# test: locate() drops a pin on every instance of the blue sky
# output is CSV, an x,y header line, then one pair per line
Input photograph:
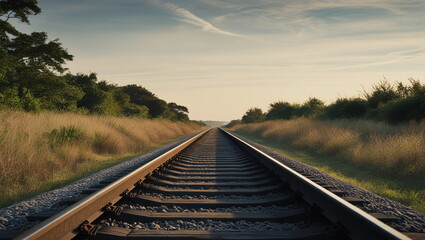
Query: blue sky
x,y
221,57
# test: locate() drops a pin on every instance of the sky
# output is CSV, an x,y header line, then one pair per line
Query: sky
x,y
221,57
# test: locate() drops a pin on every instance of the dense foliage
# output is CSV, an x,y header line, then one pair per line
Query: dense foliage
x,y
253,115
392,103
33,76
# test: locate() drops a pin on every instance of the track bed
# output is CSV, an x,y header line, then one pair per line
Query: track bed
x,y
215,186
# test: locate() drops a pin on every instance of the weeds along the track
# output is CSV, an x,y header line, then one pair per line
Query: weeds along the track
x,y
385,159
44,150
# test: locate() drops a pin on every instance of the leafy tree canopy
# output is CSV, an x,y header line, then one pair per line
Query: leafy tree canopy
x,y
19,9
36,51
253,115
15,9
382,93
280,110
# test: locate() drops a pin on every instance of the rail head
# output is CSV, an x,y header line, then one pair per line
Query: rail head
x,y
358,223
65,224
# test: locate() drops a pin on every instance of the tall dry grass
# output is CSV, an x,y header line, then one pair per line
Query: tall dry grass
x,y
394,150
35,148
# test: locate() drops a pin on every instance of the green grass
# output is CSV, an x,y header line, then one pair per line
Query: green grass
x,y
409,192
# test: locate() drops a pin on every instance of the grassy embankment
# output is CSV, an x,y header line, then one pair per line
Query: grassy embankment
x,y
42,151
386,159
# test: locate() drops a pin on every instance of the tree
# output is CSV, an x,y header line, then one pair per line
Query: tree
x,y
141,96
312,107
253,115
33,49
346,108
179,112
5,67
98,97
404,110
36,51
17,9
382,93
177,108
136,110
20,10
15,99
280,110
415,89
409,104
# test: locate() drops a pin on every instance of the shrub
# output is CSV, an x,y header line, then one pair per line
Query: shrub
x,y
136,110
63,135
19,99
29,102
253,115
404,110
311,108
281,110
346,108
9,98
382,93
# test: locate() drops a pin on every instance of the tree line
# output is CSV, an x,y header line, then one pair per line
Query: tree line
x,y
33,76
392,103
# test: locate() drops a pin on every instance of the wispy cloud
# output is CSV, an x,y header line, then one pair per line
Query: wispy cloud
x,y
396,57
384,62
189,17
311,16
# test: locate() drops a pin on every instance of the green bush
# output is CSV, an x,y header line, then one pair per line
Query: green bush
x,y
346,108
9,98
253,115
29,102
382,93
63,135
405,110
313,107
136,110
19,99
282,110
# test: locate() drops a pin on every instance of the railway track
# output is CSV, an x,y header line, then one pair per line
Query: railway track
x,y
214,186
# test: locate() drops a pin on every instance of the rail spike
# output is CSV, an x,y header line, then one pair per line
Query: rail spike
x,y
110,208
128,194
89,229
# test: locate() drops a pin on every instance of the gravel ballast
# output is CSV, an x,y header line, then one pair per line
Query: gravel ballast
x,y
218,196
178,209
209,225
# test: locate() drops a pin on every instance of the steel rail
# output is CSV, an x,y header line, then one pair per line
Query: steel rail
x,y
357,223
65,224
